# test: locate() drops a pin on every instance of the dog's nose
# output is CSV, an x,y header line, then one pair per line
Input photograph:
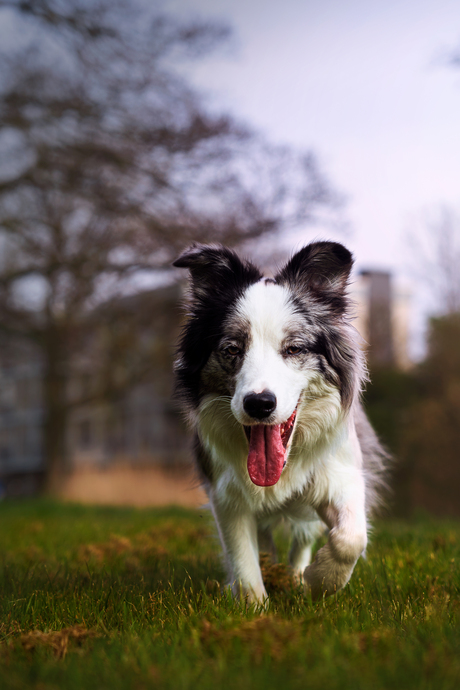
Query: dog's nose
x,y
259,405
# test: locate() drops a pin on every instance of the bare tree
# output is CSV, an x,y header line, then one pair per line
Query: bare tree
x,y
110,164
435,250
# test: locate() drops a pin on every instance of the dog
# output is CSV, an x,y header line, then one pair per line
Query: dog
x,y
270,372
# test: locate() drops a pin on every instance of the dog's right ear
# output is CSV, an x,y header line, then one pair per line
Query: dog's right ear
x,y
213,266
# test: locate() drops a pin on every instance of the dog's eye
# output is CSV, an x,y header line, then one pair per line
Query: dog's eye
x,y
293,350
232,350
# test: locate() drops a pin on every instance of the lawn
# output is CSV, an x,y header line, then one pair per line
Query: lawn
x,y
96,597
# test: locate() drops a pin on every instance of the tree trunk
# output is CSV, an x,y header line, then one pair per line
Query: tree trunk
x,y
56,377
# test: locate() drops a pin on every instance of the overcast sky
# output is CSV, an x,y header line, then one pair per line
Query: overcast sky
x,y
366,84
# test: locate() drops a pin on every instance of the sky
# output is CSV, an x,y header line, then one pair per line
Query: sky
x,y
368,86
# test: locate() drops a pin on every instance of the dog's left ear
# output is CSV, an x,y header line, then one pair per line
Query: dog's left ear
x,y
318,267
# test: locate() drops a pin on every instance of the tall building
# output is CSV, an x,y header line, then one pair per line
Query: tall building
x,y
382,310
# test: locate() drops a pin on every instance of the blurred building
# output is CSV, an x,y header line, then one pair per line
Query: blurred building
x,y
21,418
141,427
138,424
383,318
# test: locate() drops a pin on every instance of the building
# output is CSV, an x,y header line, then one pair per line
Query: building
x,y
137,423
383,318
21,420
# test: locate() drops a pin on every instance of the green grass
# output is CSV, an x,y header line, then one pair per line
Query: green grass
x,y
124,598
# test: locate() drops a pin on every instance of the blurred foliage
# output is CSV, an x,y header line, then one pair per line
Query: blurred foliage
x,y
417,414
388,400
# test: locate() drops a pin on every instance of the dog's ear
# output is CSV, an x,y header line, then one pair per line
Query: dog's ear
x,y
215,268
320,266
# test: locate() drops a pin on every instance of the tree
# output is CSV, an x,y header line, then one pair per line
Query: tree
x,y
436,257
431,439
112,165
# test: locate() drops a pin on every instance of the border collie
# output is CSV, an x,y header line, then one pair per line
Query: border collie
x,y
270,371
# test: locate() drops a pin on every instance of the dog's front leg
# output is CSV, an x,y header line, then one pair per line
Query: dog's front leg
x,y
238,536
334,562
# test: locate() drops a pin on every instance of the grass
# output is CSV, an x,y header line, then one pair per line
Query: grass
x,y
124,598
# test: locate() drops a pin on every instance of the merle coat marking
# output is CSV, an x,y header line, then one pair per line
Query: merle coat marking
x,y
270,372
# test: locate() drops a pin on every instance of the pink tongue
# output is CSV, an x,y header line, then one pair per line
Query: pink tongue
x,y
266,454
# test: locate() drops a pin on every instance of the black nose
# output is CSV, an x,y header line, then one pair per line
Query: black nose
x,y
259,405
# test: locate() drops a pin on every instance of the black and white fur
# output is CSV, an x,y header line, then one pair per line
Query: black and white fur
x,y
289,337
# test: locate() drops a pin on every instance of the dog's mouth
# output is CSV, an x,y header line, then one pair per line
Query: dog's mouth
x,y
268,449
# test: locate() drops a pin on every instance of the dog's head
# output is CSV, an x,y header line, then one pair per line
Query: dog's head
x,y
267,346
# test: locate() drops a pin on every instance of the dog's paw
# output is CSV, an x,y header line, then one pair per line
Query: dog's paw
x,y
250,595
325,576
